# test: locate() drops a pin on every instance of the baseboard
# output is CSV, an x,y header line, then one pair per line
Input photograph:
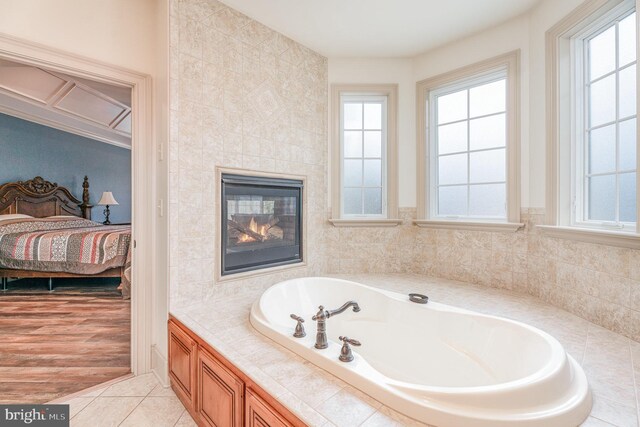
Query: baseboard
x,y
159,366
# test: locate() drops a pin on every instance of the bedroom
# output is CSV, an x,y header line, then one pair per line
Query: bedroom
x,y
65,233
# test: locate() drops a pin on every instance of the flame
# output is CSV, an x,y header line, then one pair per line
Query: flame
x,y
253,226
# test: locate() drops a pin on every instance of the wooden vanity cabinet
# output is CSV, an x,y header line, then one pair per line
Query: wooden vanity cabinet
x,y
220,393
214,391
260,414
183,353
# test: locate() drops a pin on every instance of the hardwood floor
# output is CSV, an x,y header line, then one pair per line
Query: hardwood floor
x,y
54,344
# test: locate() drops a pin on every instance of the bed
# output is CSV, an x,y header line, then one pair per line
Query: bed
x,y
45,232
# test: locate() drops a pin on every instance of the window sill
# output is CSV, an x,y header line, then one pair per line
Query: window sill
x,y
601,237
470,225
365,222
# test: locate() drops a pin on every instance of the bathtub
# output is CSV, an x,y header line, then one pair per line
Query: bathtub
x,y
438,364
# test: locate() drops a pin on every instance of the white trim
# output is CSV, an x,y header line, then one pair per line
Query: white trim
x,y
470,225
365,222
559,205
581,128
160,366
602,237
509,61
434,156
363,99
390,178
143,163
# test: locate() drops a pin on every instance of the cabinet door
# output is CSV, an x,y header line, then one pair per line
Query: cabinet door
x,y
260,414
182,364
220,393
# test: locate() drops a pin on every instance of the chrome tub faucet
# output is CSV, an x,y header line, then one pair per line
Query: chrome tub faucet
x,y
322,316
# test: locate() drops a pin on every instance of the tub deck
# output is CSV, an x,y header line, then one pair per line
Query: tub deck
x,y
607,358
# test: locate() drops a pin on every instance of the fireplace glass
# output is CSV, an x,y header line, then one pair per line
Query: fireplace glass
x,y
261,222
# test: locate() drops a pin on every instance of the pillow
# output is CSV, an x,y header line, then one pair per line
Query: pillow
x,y
14,216
10,217
62,216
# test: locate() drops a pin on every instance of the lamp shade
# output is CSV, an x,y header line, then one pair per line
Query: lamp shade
x,y
107,199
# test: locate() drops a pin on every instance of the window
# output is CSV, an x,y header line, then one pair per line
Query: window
x,y
469,149
468,146
605,116
592,179
363,140
364,155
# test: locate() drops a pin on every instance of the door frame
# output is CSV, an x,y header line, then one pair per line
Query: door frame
x,y
143,158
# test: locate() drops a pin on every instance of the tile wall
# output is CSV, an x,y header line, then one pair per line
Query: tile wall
x,y
241,96
245,96
599,283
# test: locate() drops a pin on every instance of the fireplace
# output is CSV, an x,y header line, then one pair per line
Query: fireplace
x,y
261,222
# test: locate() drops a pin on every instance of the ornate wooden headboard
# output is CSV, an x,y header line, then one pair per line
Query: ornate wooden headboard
x,y
40,198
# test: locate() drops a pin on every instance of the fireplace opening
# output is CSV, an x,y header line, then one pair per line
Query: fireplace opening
x,y
261,222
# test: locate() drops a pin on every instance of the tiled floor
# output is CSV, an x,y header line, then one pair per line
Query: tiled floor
x,y
136,402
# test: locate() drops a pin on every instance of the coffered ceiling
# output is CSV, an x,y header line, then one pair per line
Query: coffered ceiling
x,y
91,109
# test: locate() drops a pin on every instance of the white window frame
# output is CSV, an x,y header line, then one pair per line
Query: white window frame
x,y
565,127
388,93
466,84
364,99
504,66
579,49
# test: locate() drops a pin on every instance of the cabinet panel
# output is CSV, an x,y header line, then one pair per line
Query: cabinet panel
x,y
182,363
220,393
259,414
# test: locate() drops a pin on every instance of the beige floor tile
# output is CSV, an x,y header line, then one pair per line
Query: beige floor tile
x,y
105,412
136,386
594,422
387,417
306,413
77,404
94,393
635,355
160,390
186,420
345,409
155,411
322,385
612,385
614,413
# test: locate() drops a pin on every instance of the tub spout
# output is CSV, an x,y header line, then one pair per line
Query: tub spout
x,y
322,316
346,305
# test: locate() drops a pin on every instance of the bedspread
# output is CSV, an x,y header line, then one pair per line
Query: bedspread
x,y
72,245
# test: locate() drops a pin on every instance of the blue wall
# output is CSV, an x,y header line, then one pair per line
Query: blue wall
x,y
28,150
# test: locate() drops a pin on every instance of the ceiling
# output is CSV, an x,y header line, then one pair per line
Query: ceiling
x,y
91,109
379,28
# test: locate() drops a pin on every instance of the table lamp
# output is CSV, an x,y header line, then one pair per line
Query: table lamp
x,y
107,200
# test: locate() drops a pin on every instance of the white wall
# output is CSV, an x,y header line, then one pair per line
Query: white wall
x,y
543,17
383,71
510,36
118,32
527,33
123,33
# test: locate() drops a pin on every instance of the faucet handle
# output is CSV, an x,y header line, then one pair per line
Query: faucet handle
x,y
345,352
299,332
350,341
296,317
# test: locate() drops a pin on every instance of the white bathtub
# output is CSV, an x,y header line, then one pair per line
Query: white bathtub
x,y
436,363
